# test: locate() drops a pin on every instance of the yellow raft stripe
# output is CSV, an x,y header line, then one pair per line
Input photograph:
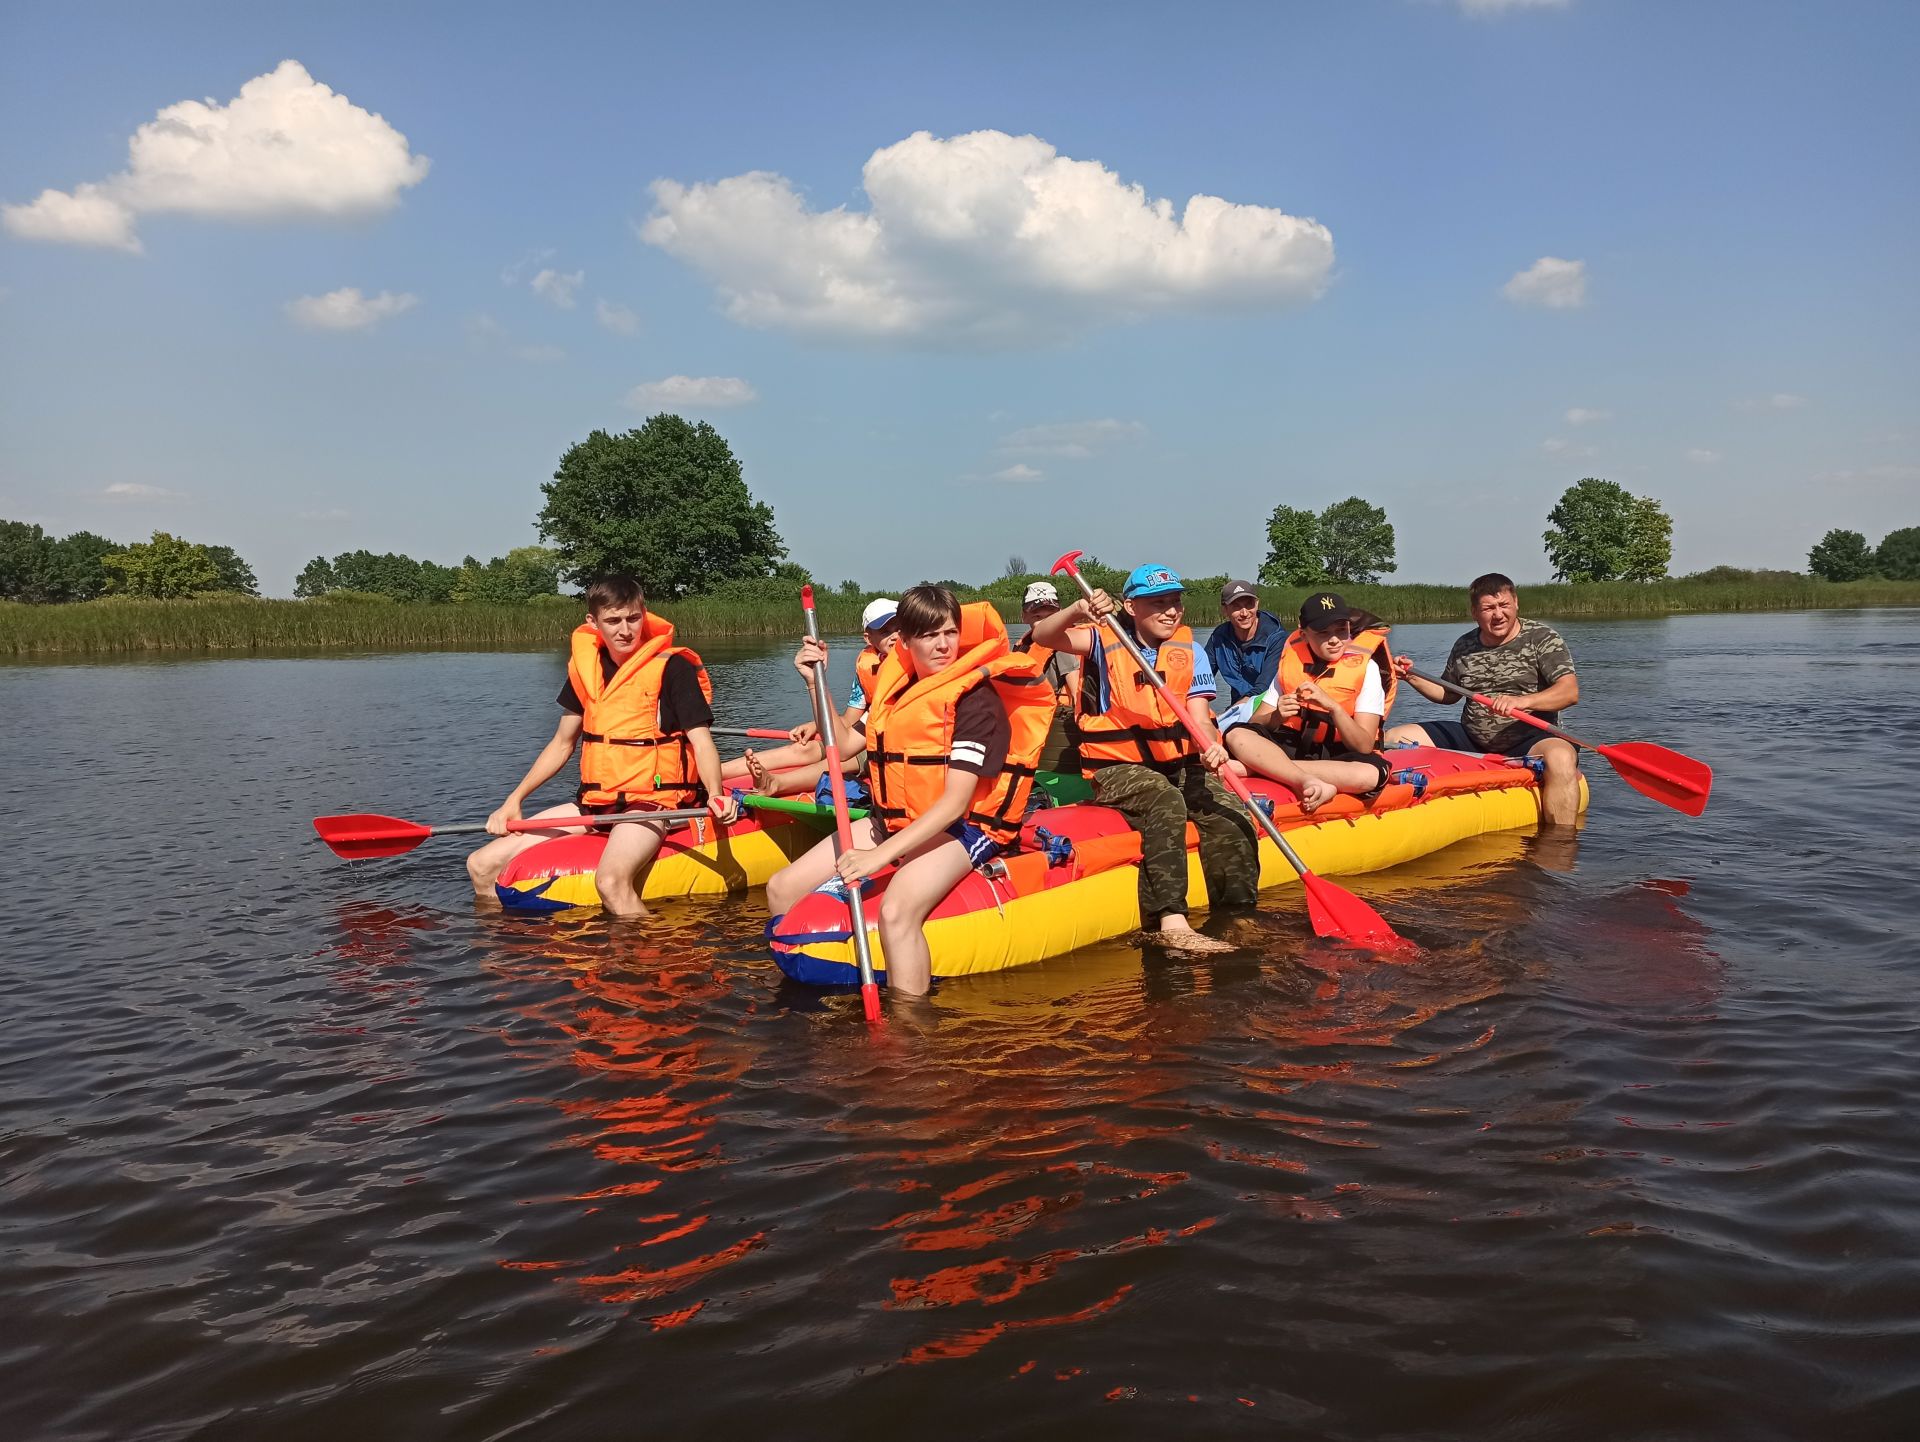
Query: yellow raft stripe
x,y
714,868
1096,908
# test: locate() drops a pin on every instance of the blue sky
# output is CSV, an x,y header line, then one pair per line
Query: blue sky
x,y
994,350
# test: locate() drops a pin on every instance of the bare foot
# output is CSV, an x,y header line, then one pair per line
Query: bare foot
x,y
1186,939
757,769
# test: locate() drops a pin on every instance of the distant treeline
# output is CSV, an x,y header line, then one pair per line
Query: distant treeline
x,y
41,570
523,574
350,621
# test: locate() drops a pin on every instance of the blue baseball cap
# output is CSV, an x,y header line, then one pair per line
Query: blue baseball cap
x,y
1152,580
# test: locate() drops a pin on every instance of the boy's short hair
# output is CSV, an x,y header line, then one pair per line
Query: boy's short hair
x,y
619,589
1491,584
925,608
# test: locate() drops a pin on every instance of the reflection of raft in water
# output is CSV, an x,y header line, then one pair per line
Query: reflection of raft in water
x,y
1075,880
698,859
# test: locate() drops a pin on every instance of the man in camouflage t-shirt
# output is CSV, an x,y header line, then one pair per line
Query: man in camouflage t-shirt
x,y
1517,665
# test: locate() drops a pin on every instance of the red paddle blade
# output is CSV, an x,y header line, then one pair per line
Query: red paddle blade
x,y
363,835
1341,916
1668,777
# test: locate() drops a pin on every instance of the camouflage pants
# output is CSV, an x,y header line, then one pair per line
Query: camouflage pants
x,y
1159,809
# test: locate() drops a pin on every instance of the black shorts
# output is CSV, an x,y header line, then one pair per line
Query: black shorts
x,y
1452,736
1289,741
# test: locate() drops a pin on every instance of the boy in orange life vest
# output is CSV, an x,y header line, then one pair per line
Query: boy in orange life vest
x,y
641,706
795,769
956,725
1062,673
1141,759
1316,727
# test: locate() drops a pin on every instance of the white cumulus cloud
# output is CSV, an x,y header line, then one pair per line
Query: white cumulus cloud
x,y
1550,281
558,286
980,240
1587,416
1701,456
1071,440
347,309
1019,472
285,147
615,317
1561,446
138,491
694,393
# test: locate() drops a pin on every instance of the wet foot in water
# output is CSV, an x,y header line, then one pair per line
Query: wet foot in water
x,y
1188,941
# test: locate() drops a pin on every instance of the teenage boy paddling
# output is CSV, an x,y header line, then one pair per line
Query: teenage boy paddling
x,y
641,705
1140,758
1519,665
956,725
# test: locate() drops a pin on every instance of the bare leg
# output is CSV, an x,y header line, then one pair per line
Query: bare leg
x,y
796,753
1263,757
804,873
1355,778
1560,787
485,865
1401,735
920,884
631,847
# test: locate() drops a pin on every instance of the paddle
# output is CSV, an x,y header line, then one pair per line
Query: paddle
x,y
363,835
1668,777
763,733
842,822
1331,910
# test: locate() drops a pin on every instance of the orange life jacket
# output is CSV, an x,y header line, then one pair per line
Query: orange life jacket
x,y
625,758
1340,679
1136,725
866,670
1055,678
910,728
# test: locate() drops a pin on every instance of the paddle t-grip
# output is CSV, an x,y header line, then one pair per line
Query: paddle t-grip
x,y
1070,563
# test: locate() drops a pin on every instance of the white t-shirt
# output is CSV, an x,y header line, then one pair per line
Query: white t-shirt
x,y
1372,700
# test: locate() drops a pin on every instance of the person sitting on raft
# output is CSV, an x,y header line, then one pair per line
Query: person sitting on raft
x,y
1142,761
640,708
1244,648
1316,726
952,736
797,768
1518,665
1062,673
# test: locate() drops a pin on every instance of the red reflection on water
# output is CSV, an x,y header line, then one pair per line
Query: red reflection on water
x,y
643,1071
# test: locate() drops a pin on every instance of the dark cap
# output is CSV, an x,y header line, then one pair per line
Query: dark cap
x,y
1237,590
1323,609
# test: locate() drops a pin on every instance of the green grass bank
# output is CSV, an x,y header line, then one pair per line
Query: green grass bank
x,y
234,625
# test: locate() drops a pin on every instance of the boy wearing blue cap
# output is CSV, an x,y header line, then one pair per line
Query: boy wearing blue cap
x,y
1140,758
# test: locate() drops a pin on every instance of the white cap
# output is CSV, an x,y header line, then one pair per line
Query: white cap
x,y
879,611
1040,591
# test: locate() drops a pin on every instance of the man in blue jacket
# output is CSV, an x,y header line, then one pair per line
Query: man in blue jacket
x,y
1245,647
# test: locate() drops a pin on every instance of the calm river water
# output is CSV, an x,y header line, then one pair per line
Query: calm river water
x,y
291,1149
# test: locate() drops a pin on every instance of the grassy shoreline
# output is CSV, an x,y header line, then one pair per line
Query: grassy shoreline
x,y
238,626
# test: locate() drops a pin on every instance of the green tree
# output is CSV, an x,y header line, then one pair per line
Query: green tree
x,y
1649,542
79,566
316,578
1598,531
666,502
162,568
26,562
518,576
1841,556
1898,558
235,574
1293,549
1355,542
851,588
